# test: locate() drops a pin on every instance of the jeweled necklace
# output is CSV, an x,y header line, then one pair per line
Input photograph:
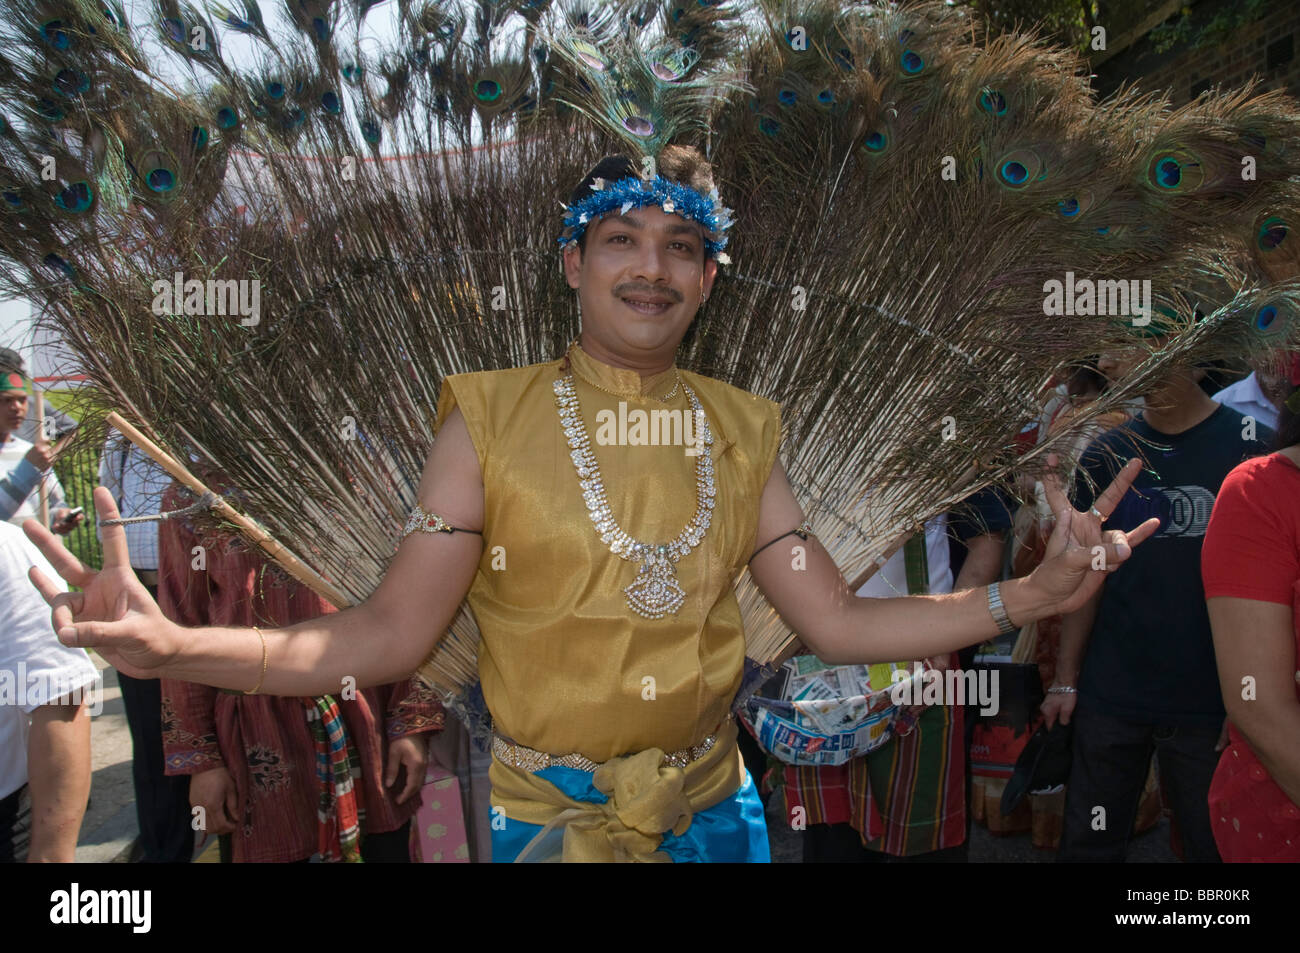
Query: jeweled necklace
x,y
655,592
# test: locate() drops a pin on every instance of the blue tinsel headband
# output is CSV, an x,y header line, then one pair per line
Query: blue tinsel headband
x,y
635,192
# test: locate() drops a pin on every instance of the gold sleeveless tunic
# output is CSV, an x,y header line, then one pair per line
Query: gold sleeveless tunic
x,y
566,666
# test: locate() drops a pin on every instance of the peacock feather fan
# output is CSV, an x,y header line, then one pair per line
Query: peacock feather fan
x,y
905,188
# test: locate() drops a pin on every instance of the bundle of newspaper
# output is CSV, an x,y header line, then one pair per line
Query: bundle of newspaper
x,y
816,714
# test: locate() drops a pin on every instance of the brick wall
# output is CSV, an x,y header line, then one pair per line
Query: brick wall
x,y
1268,48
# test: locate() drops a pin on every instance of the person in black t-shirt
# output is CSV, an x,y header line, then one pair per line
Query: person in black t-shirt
x,y
1147,681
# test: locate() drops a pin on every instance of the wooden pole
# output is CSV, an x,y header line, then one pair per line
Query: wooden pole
x,y
250,528
40,435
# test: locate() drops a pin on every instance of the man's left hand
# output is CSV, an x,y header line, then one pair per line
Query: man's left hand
x,y
62,525
411,753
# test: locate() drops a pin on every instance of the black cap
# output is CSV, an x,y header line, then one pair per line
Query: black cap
x,y
12,360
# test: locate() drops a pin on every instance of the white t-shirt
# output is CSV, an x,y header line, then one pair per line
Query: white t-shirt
x,y
891,579
12,452
35,667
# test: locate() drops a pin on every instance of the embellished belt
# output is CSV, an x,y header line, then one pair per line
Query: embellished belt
x,y
531,760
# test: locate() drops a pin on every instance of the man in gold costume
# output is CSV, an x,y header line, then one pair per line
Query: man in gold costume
x,y
612,644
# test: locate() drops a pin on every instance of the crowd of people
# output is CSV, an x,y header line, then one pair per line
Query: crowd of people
x,y
1181,643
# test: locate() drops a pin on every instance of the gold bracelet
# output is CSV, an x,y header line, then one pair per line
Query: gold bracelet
x,y
258,686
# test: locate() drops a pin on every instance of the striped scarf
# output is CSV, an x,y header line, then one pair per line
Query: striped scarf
x,y
339,809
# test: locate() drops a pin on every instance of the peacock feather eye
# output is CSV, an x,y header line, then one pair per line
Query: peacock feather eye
x,y
71,83
487,90
329,101
1271,233
76,198
826,97
1265,317
1018,169
589,54
993,102
677,14
352,73
370,131
57,262
275,89
294,118
912,62
639,126
1075,205
52,32
672,64
768,126
11,198
174,29
157,170
49,109
320,28
787,97
199,138
1175,171
877,141
844,58
227,118
110,16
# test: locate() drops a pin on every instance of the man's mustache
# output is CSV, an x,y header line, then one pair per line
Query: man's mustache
x,y
649,292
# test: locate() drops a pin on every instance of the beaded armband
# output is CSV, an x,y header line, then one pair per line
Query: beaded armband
x,y
430,523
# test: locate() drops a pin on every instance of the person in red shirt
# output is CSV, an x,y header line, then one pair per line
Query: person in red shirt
x,y
1251,568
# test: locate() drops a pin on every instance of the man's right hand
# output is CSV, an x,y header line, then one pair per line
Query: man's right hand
x,y
113,613
41,455
214,791
1060,705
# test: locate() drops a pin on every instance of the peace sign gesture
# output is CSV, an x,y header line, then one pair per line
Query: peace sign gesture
x,y
1080,553
114,612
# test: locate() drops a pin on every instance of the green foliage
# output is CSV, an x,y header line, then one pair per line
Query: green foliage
x,y
1065,21
1181,31
78,471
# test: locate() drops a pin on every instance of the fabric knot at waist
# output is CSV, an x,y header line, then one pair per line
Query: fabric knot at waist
x,y
640,797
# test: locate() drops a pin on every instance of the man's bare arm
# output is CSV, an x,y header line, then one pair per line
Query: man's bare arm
x,y
983,562
382,640
817,604
58,771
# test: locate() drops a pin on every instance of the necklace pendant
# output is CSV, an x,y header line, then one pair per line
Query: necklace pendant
x,y
655,592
